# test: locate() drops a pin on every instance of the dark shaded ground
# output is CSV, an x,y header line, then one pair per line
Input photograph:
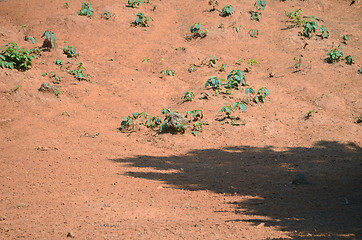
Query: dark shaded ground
x,y
329,207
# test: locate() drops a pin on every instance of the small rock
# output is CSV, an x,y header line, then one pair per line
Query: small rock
x,y
46,87
300,178
2,218
177,118
70,235
21,205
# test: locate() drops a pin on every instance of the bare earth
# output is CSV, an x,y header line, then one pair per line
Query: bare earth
x,y
78,175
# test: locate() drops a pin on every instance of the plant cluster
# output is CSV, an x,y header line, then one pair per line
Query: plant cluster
x,y
70,51
168,72
14,57
79,73
198,31
227,10
106,15
296,17
254,33
312,27
258,5
188,96
142,20
87,10
335,55
50,39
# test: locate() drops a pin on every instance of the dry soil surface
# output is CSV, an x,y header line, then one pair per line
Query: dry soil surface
x,y
67,171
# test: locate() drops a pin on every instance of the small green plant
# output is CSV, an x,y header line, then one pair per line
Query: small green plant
x,y
130,123
70,51
227,10
195,114
50,39
235,79
198,31
44,74
209,61
310,28
360,71
222,67
252,61
254,33
205,95
260,4
345,39
181,128
198,127
58,93
261,95
192,68
17,88
350,60
298,64
255,16
142,20
154,122
87,10
59,62
358,119
14,57
215,83
296,17
79,73
67,5
57,78
167,72
335,55
106,15
188,96
309,114
324,32
133,3
147,59
227,109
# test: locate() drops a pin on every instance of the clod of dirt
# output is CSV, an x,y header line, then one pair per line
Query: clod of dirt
x,y
70,235
46,87
21,205
300,178
175,119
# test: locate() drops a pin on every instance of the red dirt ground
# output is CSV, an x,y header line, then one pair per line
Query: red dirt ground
x,y
228,182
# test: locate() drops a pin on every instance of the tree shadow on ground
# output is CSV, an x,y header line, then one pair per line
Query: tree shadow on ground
x,y
328,208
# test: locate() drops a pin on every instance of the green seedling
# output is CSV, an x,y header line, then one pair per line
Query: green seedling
x,y
227,110
261,95
87,10
44,74
205,95
192,68
147,59
358,119
198,127
335,55
310,28
296,17
57,79
17,88
166,111
213,4
36,51
260,4
210,61
130,122
240,105
79,73
195,114
106,15
345,39
181,128
350,60
50,39
255,16
59,62
142,20
32,40
14,57
298,64
198,31
188,96
70,51
252,61
254,33
360,71
324,33
309,114
235,79
227,10
215,83
154,122
67,5
133,3
58,93
222,67
167,72
240,61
